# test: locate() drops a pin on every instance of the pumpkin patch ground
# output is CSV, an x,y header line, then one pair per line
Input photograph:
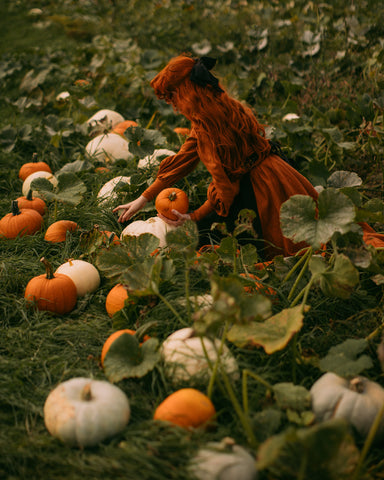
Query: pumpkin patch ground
x,y
281,350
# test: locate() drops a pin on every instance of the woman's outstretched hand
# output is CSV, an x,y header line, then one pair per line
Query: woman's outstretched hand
x,y
130,208
181,218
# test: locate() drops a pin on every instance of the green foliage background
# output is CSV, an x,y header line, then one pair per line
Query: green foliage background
x,y
322,62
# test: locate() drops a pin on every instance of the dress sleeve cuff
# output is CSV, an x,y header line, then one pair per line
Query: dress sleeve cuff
x,y
153,190
202,211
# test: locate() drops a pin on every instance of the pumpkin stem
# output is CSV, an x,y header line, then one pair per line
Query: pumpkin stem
x,y
48,268
172,196
34,157
29,195
86,394
357,385
15,208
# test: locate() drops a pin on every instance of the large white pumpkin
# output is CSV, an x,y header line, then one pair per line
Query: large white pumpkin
x,y
104,120
40,174
357,400
108,147
154,225
84,275
223,461
108,191
184,356
84,412
155,158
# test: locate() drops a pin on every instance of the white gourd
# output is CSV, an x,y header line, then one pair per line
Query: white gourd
x,y
154,225
39,174
83,412
108,147
108,191
105,119
155,158
83,274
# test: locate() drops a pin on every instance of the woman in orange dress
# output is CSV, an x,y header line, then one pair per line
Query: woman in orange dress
x,y
246,169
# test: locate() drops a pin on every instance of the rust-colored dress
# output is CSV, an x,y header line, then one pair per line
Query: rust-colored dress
x,y
273,180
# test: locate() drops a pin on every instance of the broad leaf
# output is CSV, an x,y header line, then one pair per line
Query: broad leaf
x,y
342,178
143,141
76,166
126,358
70,189
300,221
114,262
273,334
184,239
290,396
345,359
341,280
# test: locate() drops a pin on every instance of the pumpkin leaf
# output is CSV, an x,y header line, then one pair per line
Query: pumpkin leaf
x,y
341,280
143,277
69,188
143,141
344,359
300,221
290,396
126,358
112,263
342,178
140,246
184,239
324,451
273,334
76,166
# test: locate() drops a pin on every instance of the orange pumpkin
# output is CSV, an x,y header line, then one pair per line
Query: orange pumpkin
x,y
35,203
54,293
121,127
57,231
32,167
114,336
115,300
171,199
187,407
20,222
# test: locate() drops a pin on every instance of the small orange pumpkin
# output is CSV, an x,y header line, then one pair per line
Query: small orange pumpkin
x,y
54,293
187,407
57,231
20,222
35,203
171,199
121,127
114,336
115,300
33,166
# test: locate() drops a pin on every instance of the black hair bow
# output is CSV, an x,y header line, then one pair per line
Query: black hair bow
x,y
201,75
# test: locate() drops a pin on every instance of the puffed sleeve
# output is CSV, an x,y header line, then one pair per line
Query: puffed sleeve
x,y
174,168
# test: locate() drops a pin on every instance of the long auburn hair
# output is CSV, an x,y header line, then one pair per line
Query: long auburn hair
x,y
223,123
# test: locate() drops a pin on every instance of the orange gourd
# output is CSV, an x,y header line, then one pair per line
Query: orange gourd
x,y
114,336
171,199
54,293
20,222
57,231
35,203
115,300
33,166
121,127
187,407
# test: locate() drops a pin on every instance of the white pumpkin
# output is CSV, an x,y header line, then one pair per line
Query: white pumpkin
x,y
223,461
84,412
83,274
154,225
63,96
358,401
108,147
40,174
184,356
104,120
155,158
108,191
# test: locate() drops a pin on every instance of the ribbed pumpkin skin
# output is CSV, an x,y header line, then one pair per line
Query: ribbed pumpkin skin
x,y
34,203
27,222
187,408
115,300
57,231
32,167
57,295
171,199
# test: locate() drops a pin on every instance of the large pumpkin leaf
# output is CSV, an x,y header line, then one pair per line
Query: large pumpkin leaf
x,y
126,358
301,222
273,334
112,263
184,239
342,178
69,189
341,280
345,359
323,452
143,141
143,278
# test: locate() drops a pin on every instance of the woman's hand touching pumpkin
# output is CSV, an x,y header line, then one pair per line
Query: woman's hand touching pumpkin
x,y
130,208
181,218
